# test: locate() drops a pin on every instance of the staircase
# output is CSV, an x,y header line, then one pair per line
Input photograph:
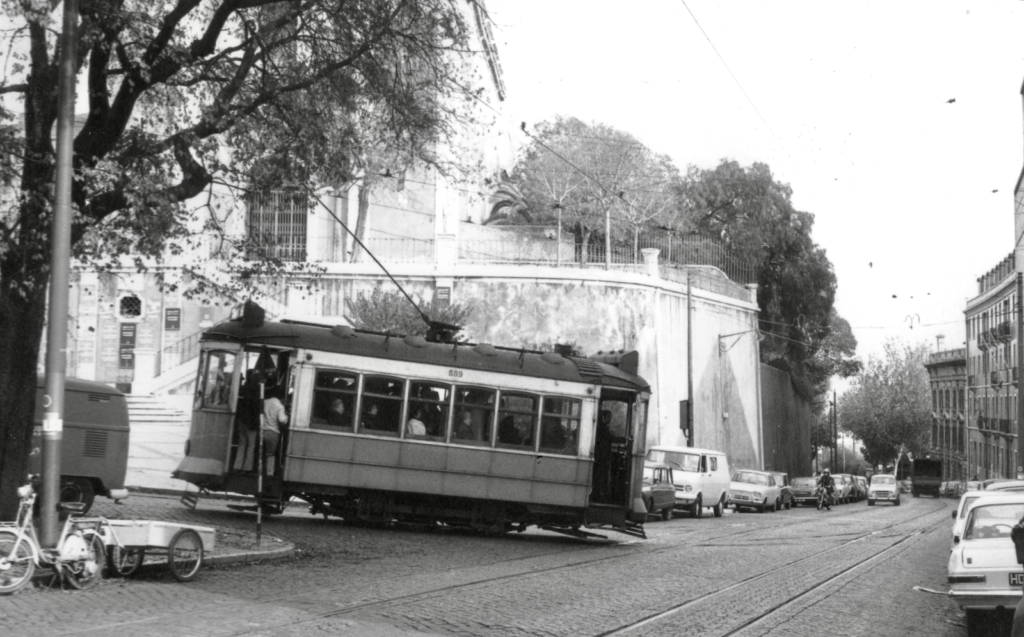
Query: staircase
x,y
163,410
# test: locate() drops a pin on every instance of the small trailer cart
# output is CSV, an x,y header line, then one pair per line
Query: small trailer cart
x,y
129,541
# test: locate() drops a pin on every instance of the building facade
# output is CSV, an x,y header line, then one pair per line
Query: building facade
x,y
992,374
947,378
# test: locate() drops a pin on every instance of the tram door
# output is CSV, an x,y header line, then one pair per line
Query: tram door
x,y
612,445
269,368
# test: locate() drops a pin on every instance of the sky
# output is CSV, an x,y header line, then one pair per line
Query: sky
x,y
848,104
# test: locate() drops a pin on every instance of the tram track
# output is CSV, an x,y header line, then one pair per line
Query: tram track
x,y
712,597
630,550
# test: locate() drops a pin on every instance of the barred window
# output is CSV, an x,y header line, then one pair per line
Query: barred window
x,y
277,224
130,307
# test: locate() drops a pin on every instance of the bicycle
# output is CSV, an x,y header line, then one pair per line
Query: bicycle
x,y
77,559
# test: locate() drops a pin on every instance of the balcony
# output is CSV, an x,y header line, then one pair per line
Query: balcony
x,y
1005,331
996,379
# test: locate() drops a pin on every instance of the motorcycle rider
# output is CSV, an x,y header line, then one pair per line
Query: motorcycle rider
x,y
828,483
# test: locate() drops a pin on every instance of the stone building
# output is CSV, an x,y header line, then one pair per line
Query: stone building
x,y
947,377
992,374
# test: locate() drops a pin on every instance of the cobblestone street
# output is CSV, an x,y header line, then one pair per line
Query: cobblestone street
x,y
850,571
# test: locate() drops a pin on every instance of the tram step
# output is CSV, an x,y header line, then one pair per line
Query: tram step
x,y
191,498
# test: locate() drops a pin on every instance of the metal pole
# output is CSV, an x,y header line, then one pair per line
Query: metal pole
x,y
690,434
558,250
60,266
608,239
1020,373
835,430
259,470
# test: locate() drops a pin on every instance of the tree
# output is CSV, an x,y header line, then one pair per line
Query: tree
x,y
186,95
754,217
888,408
392,312
597,178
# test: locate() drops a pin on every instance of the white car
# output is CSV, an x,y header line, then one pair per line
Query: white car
x,y
983,572
883,488
755,490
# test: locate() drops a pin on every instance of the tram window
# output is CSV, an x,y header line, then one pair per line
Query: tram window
x,y
517,421
430,402
560,425
474,415
334,400
214,386
381,408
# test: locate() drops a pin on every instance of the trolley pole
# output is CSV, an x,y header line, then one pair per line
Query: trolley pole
x,y
60,267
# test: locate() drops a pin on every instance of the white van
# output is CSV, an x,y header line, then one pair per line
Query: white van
x,y
701,476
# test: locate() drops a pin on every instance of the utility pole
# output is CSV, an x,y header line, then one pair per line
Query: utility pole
x,y
60,270
835,431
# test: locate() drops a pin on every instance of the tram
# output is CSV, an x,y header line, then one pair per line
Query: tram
x,y
388,428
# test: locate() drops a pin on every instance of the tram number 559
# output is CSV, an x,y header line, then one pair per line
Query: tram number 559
x,y
455,373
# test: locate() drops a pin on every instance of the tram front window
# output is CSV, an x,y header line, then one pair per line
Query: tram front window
x,y
213,388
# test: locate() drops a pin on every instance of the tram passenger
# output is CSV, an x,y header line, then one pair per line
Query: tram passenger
x,y
463,429
415,426
336,414
248,416
508,433
370,417
273,418
553,435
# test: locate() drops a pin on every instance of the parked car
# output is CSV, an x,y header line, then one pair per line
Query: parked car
x,y
844,487
701,477
943,489
883,488
782,480
1006,485
958,489
805,490
982,571
861,484
960,512
659,492
752,489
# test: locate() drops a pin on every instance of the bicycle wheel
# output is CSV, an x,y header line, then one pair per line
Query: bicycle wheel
x,y
123,562
185,555
86,572
16,565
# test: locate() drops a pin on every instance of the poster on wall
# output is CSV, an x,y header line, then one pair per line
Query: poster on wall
x,y
172,319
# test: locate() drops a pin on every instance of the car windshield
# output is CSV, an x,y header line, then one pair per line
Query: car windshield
x,y
883,480
803,482
676,460
992,520
750,477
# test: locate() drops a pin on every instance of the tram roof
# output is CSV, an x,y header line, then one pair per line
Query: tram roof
x,y
416,350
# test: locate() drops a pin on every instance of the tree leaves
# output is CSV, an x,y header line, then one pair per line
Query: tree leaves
x,y
888,405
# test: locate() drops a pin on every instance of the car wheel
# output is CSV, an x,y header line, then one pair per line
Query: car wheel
x,y
649,505
763,506
698,507
789,505
871,503
897,501
666,514
718,508
776,506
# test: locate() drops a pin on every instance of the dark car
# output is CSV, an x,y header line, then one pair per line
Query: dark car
x,y
805,490
659,491
782,479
